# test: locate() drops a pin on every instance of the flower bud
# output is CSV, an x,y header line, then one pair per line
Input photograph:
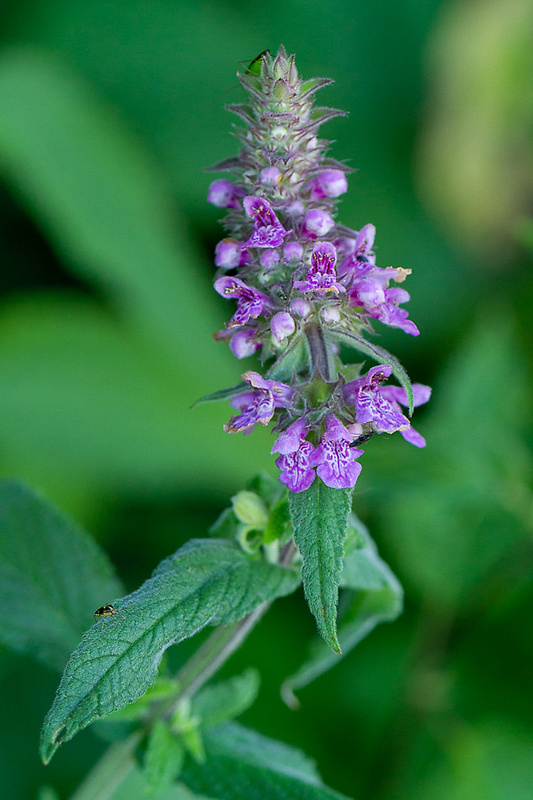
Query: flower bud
x,y
270,176
243,343
224,194
317,223
228,254
300,307
330,183
269,258
282,325
250,509
293,251
331,315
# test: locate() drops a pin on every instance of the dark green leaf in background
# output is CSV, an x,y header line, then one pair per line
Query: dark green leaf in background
x,y
320,519
242,764
205,582
52,576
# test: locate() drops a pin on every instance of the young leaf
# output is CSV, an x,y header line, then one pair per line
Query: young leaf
x,y
205,582
52,576
377,597
320,519
243,764
163,760
380,355
224,701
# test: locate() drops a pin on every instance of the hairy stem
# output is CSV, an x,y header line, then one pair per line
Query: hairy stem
x,y
320,352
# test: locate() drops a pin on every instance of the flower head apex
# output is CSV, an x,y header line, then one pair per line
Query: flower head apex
x,y
335,459
268,230
321,276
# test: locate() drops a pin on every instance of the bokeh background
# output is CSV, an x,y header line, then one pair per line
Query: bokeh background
x,y
109,111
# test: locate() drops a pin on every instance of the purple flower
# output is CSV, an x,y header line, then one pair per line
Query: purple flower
x,y
282,325
371,291
296,459
321,276
269,258
259,404
330,183
243,342
378,404
357,252
317,223
268,230
230,254
334,458
293,251
224,194
250,302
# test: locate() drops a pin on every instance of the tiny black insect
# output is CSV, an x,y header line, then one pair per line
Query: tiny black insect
x,y
106,611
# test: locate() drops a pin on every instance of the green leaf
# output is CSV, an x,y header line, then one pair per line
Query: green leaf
x,y
163,759
227,700
52,576
380,355
221,394
205,582
103,203
242,764
377,596
320,520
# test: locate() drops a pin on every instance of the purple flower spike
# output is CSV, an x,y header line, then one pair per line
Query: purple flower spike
x,y
259,404
334,458
321,276
330,183
296,459
250,302
268,230
317,223
224,194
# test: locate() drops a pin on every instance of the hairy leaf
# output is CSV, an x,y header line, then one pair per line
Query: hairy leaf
x,y
205,582
52,576
377,596
163,759
242,764
320,519
224,701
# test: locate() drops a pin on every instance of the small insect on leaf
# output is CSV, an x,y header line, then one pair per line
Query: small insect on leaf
x,y
106,611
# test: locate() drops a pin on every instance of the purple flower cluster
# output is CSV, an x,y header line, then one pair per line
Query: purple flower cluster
x,y
302,283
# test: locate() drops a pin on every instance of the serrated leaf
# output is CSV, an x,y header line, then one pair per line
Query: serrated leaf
x,y
320,520
205,582
377,597
224,701
380,355
163,760
242,764
52,576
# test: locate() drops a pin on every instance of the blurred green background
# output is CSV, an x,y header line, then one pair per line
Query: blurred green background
x,y
109,111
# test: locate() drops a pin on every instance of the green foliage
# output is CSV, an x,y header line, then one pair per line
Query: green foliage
x,y
163,760
374,595
218,703
320,519
206,582
52,576
241,763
